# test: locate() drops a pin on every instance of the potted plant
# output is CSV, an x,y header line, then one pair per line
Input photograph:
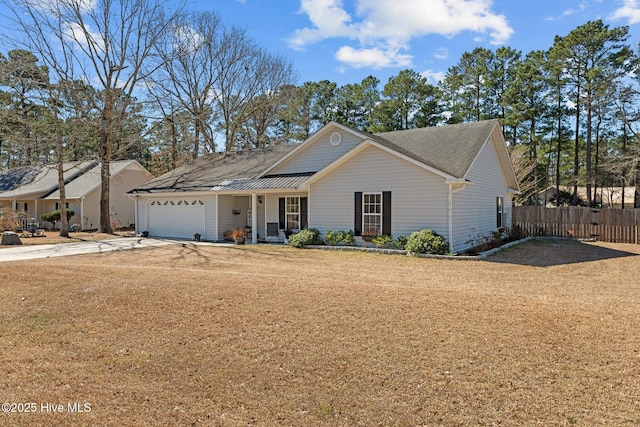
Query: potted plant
x,y
238,235
369,235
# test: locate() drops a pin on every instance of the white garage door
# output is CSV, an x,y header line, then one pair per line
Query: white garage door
x,y
178,218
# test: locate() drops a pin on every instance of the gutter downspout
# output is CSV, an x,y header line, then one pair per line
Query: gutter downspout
x,y
451,193
217,218
135,214
81,212
254,218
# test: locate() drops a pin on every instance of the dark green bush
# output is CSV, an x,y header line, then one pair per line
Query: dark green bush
x,y
401,242
333,238
427,242
55,215
384,241
309,236
346,237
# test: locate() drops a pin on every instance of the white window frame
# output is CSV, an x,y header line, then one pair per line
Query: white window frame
x,y
66,204
292,212
372,221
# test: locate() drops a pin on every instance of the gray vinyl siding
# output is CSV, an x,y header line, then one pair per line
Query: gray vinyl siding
x,y
418,197
210,223
141,225
316,156
272,209
474,210
227,220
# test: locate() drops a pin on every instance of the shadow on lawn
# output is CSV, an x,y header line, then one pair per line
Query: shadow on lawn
x,y
547,253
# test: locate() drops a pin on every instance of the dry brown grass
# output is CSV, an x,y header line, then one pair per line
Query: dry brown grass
x,y
544,333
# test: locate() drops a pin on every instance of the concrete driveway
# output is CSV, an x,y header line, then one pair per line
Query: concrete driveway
x,y
20,253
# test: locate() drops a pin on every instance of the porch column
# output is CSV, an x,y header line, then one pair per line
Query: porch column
x,y
82,213
254,218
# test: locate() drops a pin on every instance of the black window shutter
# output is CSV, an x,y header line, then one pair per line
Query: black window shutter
x,y
386,213
281,213
357,220
303,212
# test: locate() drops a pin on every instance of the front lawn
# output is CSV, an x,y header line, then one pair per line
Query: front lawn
x,y
541,333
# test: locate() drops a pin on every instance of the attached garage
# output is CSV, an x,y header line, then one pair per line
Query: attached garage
x,y
176,218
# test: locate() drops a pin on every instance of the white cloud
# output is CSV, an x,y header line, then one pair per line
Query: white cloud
x,y
83,36
629,11
329,20
383,28
374,57
581,8
186,39
434,77
412,18
51,6
441,53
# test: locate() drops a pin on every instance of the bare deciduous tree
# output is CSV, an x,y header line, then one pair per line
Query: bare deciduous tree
x,y
108,43
221,78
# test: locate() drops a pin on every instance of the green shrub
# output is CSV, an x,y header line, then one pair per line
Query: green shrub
x,y
333,238
384,241
427,242
346,237
55,215
309,236
330,238
401,242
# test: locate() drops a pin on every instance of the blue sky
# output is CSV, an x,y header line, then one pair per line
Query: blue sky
x,y
344,41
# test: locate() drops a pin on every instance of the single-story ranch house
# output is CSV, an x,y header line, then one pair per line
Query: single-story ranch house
x,y
457,180
33,190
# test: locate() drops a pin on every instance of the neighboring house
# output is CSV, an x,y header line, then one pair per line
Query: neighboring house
x,y
606,197
456,180
33,190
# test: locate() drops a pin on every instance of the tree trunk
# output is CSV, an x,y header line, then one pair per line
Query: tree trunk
x,y
558,154
174,144
105,177
589,148
636,195
576,158
64,222
534,155
105,219
196,137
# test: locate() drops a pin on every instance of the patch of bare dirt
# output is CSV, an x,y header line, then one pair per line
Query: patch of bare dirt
x,y
264,335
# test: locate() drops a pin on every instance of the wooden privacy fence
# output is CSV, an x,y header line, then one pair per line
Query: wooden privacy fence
x,y
607,225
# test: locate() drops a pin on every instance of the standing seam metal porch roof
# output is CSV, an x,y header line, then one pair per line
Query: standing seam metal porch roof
x,y
265,183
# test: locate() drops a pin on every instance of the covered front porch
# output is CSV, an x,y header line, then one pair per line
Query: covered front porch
x,y
265,216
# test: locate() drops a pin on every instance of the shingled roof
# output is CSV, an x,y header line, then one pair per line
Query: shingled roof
x,y
216,169
450,149
37,180
90,180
